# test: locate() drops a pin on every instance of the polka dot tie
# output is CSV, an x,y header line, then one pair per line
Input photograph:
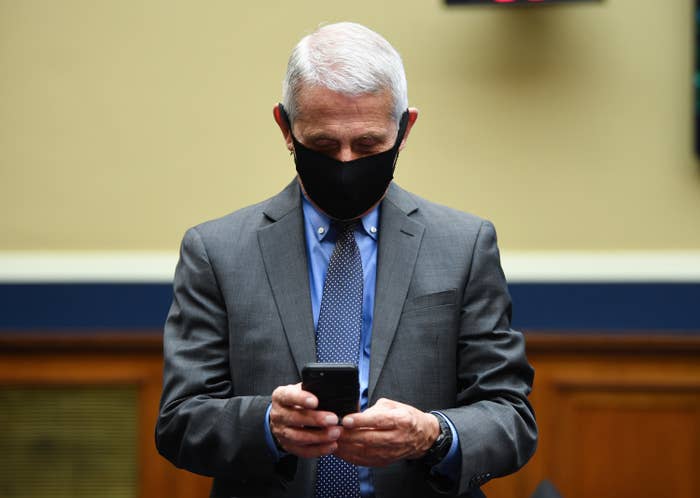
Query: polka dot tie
x,y
338,340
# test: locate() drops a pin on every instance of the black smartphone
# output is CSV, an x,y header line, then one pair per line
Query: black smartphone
x,y
336,385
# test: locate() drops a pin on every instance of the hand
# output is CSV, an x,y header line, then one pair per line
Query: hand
x,y
386,432
298,427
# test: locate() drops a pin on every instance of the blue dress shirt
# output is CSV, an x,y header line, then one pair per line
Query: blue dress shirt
x,y
319,247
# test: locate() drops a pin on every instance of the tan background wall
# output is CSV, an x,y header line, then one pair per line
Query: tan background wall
x,y
124,122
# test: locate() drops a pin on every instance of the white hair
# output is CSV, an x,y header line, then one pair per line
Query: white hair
x,y
347,58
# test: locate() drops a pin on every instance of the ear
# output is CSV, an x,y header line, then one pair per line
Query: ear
x,y
284,126
412,117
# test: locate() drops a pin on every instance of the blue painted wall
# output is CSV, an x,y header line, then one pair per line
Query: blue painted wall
x,y
536,306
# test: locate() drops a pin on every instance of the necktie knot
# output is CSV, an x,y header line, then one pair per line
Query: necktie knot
x,y
344,229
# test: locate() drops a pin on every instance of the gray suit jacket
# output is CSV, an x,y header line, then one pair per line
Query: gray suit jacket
x,y
241,325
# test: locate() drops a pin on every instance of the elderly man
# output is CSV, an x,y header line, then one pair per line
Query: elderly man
x,y
344,265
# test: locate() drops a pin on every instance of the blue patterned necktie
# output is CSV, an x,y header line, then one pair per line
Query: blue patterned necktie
x,y
338,340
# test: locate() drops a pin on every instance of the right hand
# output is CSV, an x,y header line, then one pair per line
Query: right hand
x,y
298,427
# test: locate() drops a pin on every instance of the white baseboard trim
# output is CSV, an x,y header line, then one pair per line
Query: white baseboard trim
x,y
519,266
614,266
87,267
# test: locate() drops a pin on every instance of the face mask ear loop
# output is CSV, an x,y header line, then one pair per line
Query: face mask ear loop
x,y
403,124
285,116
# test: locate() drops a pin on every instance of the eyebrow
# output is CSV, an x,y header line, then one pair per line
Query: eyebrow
x,y
379,136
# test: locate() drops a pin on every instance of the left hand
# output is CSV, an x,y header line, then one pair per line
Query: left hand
x,y
386,432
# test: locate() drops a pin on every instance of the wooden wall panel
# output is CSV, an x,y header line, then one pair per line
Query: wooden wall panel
x,y
101,360
643,444
619,416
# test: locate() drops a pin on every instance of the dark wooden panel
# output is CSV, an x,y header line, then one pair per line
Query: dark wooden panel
x,y
68,442
36,342
618,417
635,442
96,366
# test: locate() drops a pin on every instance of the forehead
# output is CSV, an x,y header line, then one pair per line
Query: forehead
x,y
321,109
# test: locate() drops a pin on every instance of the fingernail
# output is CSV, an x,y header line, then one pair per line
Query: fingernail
x,y
331,420
334,433
348,421
309,402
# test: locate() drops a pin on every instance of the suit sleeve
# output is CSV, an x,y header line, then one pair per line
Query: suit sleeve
x,y
202,426
494,420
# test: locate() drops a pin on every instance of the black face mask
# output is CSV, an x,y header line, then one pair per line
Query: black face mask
x,y
346,190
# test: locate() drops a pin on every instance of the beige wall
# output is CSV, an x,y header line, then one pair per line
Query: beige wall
x,y
124,122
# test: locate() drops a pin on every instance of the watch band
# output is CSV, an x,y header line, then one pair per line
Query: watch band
x,y
442,444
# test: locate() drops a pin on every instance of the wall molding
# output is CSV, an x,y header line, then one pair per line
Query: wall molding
x,y
602,266
87,266
519,266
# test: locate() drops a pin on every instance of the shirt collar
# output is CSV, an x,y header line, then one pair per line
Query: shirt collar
x,y
321,222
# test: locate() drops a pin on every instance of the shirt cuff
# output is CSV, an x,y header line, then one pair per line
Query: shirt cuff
x,y
450,466
269,438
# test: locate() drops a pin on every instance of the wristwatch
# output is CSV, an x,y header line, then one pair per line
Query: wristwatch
x,y
442,444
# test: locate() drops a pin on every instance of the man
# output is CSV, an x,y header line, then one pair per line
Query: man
x,y
443,378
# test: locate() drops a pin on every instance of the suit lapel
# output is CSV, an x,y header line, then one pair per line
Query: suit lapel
x,y
284,255
399,241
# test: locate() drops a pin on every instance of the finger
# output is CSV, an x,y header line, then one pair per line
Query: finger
x,y
308,437
360,456
368,438
293,395
378,415
375,419
280,415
